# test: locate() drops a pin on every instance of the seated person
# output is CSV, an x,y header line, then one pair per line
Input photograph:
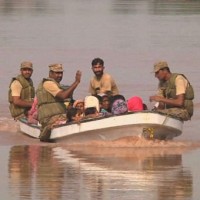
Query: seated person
x,y
105,104
79,104
118,96
73,115
135,103
91,112
91,106
118,105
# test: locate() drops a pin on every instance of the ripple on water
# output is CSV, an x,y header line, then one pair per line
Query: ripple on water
x,y
8,125
137,141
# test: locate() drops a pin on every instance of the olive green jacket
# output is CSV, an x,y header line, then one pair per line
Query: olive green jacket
x,y
48,105
27,94
170,93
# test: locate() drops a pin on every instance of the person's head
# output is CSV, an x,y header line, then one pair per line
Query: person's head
x,y
90,111
115,97
118,105
56,72
161,70
79,104
26,69
73,114
98,66
105,101
91,101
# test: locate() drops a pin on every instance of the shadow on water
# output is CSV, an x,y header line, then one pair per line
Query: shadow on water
x,y
58,171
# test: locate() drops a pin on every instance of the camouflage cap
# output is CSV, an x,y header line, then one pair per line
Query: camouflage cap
x,y
56,68
159,65
26,64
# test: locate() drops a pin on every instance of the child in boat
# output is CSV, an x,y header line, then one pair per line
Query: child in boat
x,y
74,115
118,105
91,107
79,104
105,105
91,112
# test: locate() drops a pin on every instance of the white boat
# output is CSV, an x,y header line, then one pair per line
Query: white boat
x,y
148,124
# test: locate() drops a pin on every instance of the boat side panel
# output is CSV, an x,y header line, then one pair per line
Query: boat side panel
x,y
119,122
147,124
32,131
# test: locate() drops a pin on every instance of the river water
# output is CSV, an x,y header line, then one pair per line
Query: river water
x,y
130,35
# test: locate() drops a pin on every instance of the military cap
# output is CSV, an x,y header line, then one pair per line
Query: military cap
x,y
56,68
159,65
26,64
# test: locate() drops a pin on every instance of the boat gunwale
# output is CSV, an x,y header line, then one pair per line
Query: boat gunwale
x,y
24,120
111,116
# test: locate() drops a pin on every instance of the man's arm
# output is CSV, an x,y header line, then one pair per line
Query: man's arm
x,y
181,85
21,103
64,94
16,89
178,101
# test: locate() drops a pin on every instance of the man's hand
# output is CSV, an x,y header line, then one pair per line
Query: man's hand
x,y
78,76
156,98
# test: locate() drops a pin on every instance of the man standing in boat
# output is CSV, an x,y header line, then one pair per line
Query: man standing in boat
x,y
21,92
51,100
101,82
175,92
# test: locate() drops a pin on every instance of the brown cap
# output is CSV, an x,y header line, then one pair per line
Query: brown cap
x,y
26,64
159,65
56,68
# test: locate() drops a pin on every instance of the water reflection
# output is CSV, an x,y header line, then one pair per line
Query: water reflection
x,y
157,7
21,6
176,7
178,186
33,168
128,173
48,172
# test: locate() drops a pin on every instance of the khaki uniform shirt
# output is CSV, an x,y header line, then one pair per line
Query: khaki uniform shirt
x,y
106,83
51,87
180,83
16,88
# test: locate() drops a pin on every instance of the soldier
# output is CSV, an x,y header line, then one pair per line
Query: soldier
x,y
21,91
177,94
51,100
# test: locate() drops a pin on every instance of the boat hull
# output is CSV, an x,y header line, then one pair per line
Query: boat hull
x,y
150,125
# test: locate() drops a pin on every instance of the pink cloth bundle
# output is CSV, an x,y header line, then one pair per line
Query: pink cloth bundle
x,y
135,104
33,113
